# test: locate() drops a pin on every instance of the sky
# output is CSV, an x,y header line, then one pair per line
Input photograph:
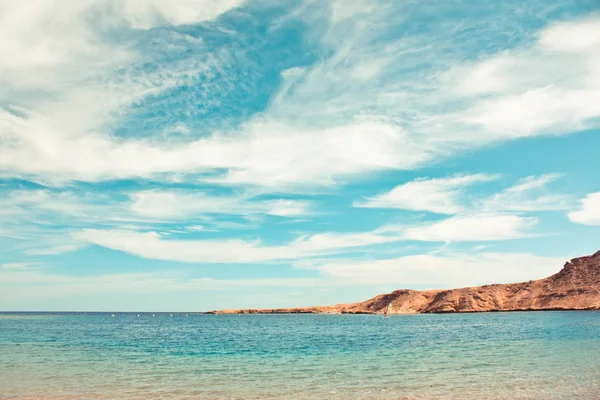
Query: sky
x,y
194,155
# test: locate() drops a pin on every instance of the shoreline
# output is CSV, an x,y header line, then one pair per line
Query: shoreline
x,y
575,287
198,313
244,312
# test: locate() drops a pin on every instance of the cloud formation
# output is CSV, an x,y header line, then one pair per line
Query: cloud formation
x,y
589,211
445,270
447,196
182,204
440,195
262,133
528,194
473,228
158,246
153,245
362,129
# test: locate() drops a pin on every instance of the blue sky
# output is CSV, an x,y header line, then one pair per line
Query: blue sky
x,y
194,155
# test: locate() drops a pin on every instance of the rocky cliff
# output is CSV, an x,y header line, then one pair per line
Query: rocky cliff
x,y
575,287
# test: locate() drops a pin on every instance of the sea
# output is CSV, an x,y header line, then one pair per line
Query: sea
x,y
516,355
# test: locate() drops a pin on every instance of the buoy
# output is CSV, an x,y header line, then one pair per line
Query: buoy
x,y
153,315
113,315
171,315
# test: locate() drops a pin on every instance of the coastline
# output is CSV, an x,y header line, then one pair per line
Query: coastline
x,y
267,312
576,287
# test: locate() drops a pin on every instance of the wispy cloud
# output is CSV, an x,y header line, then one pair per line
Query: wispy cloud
x,y
152,13
447,196
86,206
72,54
175,204
550,86
441,195
473,228
49,46
352,126
39,221
156,246
19,266
192,130
278,157
445,270
529,194
42,44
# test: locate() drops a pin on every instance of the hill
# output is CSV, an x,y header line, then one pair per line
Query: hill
x,y
575,287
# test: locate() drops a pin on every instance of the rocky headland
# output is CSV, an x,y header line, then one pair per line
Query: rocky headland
x,y
575,287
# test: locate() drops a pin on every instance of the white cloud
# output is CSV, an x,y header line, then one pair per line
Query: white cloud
x,y
344,9
445,270
589,211
550,86
378,98
150,13
154,246
42,248
22,202
267,155
141,206
39,221
185,204
446,196
18,266
531,90
441,195
466,228
534,89
56,47
538,110
63,50
195,228
390,118
287,208
44,45
529,194
572,37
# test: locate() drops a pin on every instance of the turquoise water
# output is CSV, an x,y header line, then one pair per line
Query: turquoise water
x,y
535,355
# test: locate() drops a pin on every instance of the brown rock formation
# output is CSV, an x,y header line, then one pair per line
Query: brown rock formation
x,y
575,287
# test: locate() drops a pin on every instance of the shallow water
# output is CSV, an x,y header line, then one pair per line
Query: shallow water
x,y
533,355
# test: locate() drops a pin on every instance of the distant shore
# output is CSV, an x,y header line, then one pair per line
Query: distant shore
x,y
576,287
283,312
